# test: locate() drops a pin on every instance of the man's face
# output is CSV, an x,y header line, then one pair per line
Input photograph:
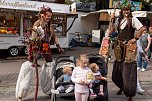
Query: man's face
x,y
126,13
48,16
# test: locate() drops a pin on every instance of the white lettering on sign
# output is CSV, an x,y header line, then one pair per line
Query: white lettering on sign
x,y
33,5
17,4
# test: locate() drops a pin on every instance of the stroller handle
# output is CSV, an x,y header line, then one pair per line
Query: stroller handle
x,y
61,58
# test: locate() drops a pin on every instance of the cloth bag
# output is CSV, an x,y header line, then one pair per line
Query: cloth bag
x,y
46,77
24,80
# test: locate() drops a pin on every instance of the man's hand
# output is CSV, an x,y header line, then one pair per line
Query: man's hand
x,y
132,41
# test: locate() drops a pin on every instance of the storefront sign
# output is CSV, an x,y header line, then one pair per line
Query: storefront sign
x,y
33,5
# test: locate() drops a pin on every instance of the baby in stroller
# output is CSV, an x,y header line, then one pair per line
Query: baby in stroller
x,y
97,82
66,77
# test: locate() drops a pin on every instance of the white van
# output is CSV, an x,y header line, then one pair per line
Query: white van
x,y
17,17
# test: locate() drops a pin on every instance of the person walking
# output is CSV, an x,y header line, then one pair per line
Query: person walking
x,y
145,42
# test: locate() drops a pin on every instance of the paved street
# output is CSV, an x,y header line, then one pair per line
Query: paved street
x,y
10,66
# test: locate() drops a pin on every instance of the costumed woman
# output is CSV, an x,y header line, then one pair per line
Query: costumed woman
x,y
124,73
39,43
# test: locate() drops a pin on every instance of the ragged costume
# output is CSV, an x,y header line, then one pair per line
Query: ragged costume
x,y
124,73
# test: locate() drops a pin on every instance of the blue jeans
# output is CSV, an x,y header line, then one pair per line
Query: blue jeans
x,y
141,61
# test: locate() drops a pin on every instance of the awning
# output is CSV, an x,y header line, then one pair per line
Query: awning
x,y
98,12
135,13
68,15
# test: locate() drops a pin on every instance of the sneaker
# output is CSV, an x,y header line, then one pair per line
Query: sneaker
x,y
138,68
55,91
20,99
93,95
143,69
69,89
101,93
140,91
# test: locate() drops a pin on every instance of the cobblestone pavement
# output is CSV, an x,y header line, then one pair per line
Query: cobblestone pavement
x,y
10,66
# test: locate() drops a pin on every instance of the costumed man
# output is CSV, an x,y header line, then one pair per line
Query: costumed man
x,y
124,73
43,31
39,43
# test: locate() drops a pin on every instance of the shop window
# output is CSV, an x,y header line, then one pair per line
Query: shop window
x,y
9,23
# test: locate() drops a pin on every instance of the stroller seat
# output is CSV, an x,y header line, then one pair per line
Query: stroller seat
x,y
61,62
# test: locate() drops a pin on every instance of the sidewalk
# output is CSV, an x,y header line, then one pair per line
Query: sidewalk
x,y
9,70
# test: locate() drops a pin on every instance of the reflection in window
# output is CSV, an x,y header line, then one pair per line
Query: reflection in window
x,y
9,23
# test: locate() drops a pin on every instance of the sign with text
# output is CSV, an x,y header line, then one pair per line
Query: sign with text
x,y
33,5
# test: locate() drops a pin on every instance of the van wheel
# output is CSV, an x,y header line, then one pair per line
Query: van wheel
x,y
25,51
14,51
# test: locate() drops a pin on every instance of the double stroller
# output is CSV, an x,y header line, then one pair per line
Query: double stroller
x,y
71,61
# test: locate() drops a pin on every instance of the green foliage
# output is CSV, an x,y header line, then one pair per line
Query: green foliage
x,y
126,3
68,2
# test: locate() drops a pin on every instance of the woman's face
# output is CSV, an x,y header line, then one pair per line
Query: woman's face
x,y
126,13
48,16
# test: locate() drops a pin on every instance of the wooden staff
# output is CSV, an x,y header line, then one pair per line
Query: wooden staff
x,y
36,70
37,82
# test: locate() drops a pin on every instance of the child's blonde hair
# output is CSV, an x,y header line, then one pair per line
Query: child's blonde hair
x,y
66,69
80,59
93,67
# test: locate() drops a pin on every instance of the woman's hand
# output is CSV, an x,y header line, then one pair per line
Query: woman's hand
x,y
146,50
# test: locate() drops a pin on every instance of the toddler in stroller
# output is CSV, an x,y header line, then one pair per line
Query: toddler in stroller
x,y
63,87
103,70
66,77
97,82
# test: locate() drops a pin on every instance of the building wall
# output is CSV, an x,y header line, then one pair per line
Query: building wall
x,y
84,25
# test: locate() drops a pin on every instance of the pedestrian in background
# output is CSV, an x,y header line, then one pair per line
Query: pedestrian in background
x,y
140,51
145,42
150,33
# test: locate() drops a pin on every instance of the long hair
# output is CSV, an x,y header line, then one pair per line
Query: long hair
x,y
121,16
